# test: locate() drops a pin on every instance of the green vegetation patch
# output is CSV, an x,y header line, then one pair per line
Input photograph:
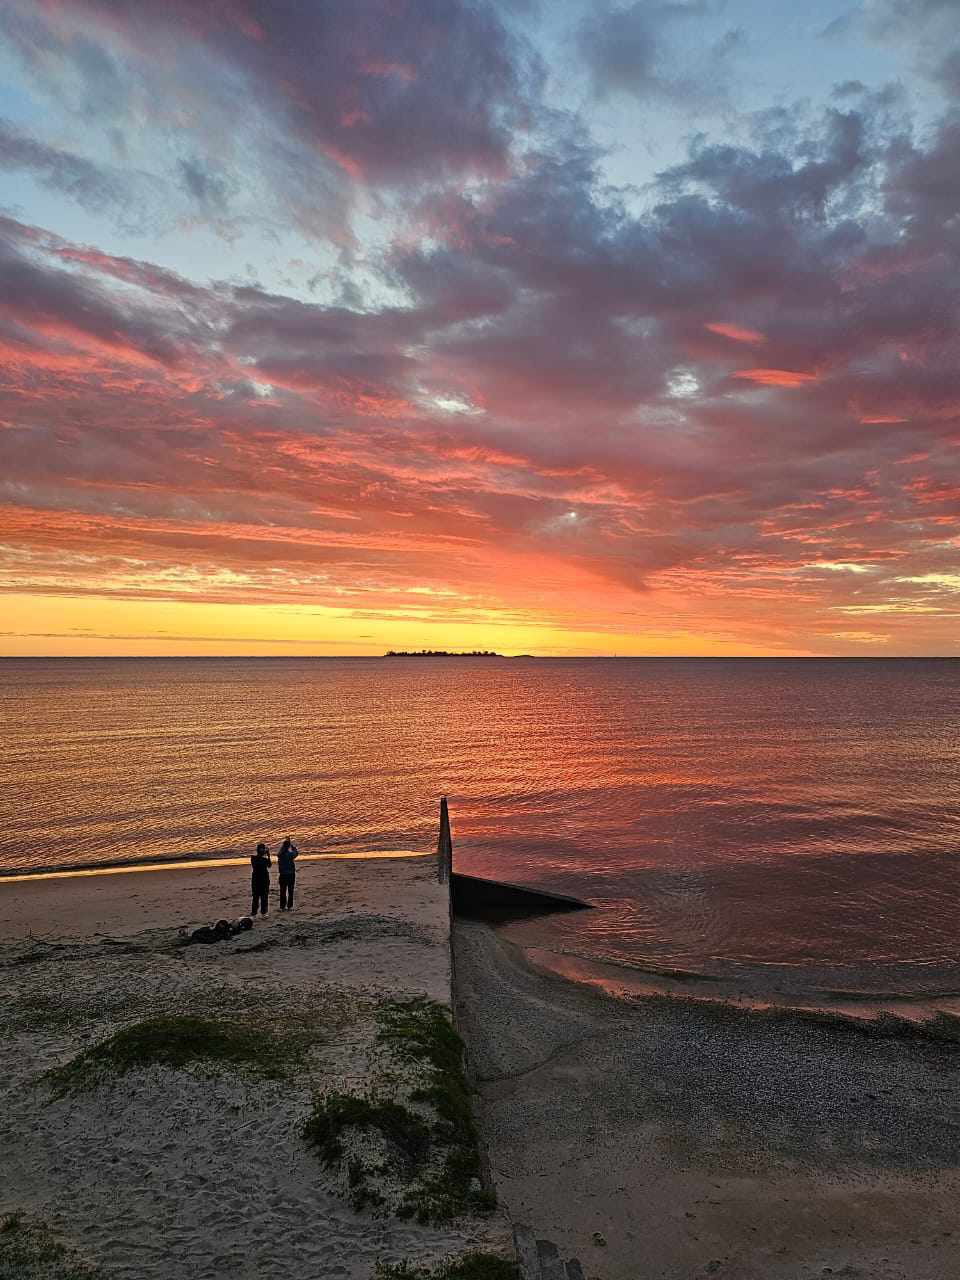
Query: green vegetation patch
x,y
180,1043
419,1031
469,1266
334,1113
426,1124
29,1251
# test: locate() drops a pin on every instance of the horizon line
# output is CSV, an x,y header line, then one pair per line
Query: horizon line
x,y
507,657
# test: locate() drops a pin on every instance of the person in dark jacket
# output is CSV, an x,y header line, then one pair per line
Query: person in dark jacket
x,y
287,870
260,879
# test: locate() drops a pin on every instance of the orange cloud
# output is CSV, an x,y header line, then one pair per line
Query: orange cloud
x,y
736,332
776,377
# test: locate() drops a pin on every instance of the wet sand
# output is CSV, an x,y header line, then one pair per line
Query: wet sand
x,y
703,1140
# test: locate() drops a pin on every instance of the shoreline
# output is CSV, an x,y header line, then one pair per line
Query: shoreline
x,y
629,981
915,989
705,1139
188,862
119,901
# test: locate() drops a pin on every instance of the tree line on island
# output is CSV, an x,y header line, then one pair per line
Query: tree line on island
x,y
440,653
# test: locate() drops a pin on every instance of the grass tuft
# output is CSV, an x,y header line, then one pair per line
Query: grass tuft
x,y
420,1031
29,1251
336,1112
179,1043
434,1149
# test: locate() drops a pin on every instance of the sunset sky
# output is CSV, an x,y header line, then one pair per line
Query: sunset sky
x,y
562,328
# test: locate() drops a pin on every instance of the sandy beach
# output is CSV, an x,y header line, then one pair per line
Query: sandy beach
x,y
668,1139
648,1137
205,1173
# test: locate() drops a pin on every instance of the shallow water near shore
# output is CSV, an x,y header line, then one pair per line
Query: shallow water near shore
x,y
790,821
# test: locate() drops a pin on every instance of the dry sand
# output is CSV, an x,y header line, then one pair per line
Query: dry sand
x,y
165,1172
702,1141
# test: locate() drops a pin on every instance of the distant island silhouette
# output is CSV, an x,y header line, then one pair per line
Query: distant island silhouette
x,y
440,653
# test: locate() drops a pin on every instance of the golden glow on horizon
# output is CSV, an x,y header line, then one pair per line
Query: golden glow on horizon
x,y
106,626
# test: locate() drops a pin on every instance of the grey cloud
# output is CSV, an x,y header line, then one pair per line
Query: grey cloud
x,y
94,186
97,89
393,92
895,17
35,295
629,51
204,184
772,180
929,28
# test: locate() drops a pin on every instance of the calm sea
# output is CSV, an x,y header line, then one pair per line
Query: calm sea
x,y
723,814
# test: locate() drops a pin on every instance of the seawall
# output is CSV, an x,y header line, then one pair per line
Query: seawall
x,y
477,900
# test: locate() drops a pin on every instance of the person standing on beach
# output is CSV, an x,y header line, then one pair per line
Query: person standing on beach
x,y
287,869
260,879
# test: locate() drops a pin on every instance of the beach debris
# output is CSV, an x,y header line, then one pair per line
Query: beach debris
x,y
525,1244
551,1264
541,1259
218,932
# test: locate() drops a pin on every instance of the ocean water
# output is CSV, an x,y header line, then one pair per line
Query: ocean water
x,y
726,816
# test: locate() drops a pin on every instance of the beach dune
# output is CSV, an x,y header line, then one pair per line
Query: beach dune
x,y
198,1172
